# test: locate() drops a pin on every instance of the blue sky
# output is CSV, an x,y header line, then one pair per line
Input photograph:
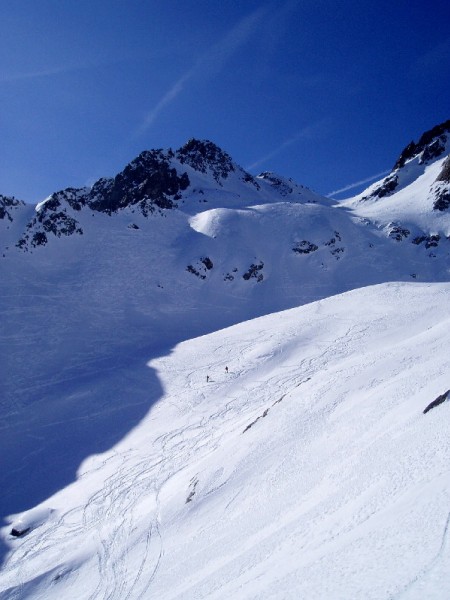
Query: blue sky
x,y
326,92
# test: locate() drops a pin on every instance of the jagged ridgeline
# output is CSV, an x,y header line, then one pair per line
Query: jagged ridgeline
x,y
154,182
432,144
200,176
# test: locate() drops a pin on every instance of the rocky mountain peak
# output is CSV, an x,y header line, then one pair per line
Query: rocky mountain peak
x,y
204,156
431,145
7,205
283,185
149,180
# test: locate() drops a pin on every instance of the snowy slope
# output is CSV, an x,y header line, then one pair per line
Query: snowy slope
x,y
309,470
412,204
414,194
134,475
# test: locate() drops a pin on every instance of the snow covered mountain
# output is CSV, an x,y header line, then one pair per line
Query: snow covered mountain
x,y
126,474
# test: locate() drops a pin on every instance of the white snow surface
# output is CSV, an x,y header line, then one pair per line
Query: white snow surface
x,y
225,400
339,488
411,203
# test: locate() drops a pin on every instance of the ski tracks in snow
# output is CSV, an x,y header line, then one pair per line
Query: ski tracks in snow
x,y
124,517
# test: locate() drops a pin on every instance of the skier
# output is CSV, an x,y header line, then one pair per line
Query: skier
x,y
207,378
226,369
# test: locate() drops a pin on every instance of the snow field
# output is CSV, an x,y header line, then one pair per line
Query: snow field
x,y
309,470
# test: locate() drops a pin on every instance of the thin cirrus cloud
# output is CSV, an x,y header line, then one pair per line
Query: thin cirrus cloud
x,y
52,71
435,59
351,186
35,74
310,132
209,63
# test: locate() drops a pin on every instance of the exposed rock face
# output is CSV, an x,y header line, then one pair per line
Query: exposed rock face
x,y
74,197
151,182
444,175
439,400
431,144
204,265
441,188
7,206
442,201
205,156
148,180
433,150
19,532
431,241
281,185
254,272
52,217
387,187
305,247
397,232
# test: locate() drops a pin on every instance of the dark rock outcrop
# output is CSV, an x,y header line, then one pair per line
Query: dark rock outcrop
x,y
207,262
431,143
397,232
387,186
433,150
75,197
441,188
282,186
444,175
431,241
442,201
336,238
7,206
439,400
51,217
305,247
205,156
19,532
254,272
59,223
148,181
204,265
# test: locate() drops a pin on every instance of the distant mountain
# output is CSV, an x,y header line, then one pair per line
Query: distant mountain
x,y
412,203
412,163
200,176
431,145
199,173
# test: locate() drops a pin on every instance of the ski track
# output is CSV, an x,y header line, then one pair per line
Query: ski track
x,y
122,490
112,517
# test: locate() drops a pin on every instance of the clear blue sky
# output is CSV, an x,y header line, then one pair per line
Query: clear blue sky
x,y
326,92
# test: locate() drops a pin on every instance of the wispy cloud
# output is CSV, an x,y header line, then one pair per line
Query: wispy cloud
x,y
35,74
209,63
351,186
168,97
436,58
310,132
274,152
54,71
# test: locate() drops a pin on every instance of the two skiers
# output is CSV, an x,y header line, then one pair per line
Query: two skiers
x,y
208,378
